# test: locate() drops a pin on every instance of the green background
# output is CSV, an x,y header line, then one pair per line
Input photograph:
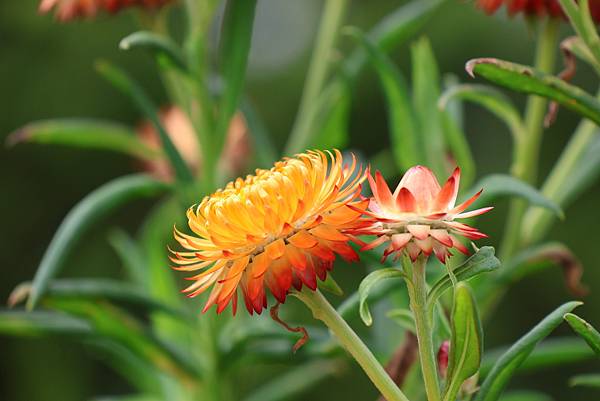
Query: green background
x,y
46,71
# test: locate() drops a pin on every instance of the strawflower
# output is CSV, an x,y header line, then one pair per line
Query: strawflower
x,y
276,229
534,8
419,216
66,10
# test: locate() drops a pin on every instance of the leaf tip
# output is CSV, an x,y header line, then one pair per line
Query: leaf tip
x,y
16,137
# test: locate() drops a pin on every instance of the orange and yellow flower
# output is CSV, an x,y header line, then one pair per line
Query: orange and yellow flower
x,y
419,216
280,228
66,10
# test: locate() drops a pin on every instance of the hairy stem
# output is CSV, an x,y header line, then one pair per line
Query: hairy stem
x,y
322,310
418,304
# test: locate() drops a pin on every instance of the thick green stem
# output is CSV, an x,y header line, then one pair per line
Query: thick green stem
x,y
331,21
418,304
322,310
527,149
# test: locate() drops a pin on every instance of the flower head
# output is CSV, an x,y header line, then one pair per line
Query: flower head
x,y
66,10
280,228
419,216
536,8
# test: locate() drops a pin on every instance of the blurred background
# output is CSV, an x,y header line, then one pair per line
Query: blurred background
x,y
46,71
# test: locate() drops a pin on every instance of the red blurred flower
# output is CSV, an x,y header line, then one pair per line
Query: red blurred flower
x,y
66,10
419,216
534,7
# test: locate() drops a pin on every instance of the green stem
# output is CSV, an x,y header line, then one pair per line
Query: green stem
x,y
418,304
322,310
317,73
527,148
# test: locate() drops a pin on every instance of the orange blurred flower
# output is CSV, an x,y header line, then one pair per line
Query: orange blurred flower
x,y
280,228
419,216
66,10
534,7
179,128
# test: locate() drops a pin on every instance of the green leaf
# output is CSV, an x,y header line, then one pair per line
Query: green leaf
x,y
523,395
334,122
492,100
396,28
266,153
467,341
457,142
585,331
236,37
552,352
399,109
331,286
42,323
136,397
113,323
426,92
495,185
368,283
112,290
161,46
295,382
140,99
350,308
403,317
88,134
583,23
483,261
85,214
506,366
130,254
576,46
525,79
585,173
587,380
536,258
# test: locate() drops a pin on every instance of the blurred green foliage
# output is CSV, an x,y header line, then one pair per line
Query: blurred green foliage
x,y
46,71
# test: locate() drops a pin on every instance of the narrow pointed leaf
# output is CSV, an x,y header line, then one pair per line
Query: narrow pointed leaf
x,y
404,318
393,30
426,92
585,331
331,286
483,261
84,215
401,116
507,365
161,46
236,37
121,81
368,283
295,382
581,19
496,185
88,134
42,323
587,380
131,256
576,46
525,396
466,347
461,151
525,79
562,351
262,143
490,99
350,308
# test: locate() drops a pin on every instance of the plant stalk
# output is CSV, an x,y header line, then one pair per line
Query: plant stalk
x,y
418,304
333,14
527,150
322,310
